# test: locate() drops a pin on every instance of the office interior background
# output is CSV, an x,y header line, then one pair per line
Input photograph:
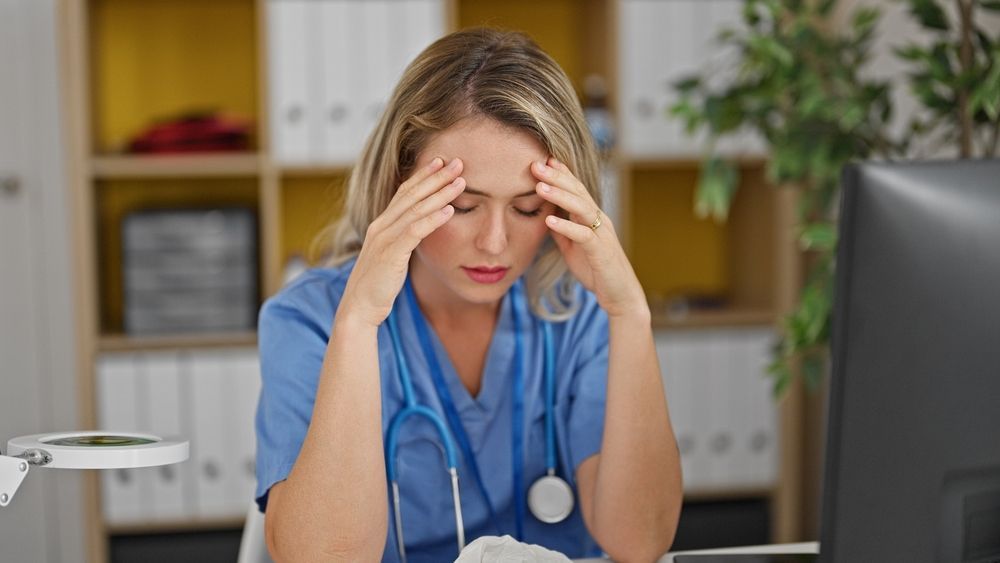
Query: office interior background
x,y
165,165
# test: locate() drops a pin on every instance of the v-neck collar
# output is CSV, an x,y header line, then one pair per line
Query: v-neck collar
x,y
495,385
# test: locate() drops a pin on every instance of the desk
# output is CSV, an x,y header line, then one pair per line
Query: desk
x,y
806,547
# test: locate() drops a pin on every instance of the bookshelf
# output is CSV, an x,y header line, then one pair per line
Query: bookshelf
x,y
132,63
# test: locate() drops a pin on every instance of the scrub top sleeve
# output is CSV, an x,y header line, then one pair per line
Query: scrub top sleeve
x,y
589,390
292,344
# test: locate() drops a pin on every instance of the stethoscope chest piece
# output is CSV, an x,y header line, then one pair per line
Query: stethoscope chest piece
x,y
550,499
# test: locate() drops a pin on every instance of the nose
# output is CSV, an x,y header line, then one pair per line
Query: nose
x,y
492,235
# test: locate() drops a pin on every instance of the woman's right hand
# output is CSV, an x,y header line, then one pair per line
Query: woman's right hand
x,y
420,205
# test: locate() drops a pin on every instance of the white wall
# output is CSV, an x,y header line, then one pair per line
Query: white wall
x,y
38,383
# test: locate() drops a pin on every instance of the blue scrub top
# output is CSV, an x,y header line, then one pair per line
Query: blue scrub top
x,y
294,329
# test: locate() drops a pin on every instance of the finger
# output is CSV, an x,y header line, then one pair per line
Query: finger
x,y
421,209
580,210
422,173
572,230
422,228
562,178
434,202
405,199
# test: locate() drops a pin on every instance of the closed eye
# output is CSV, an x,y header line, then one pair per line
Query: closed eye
x,y
522,212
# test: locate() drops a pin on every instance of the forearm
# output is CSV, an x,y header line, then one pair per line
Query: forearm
x,y
637,494
334,500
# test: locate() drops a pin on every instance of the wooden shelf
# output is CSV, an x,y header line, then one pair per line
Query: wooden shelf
x,y
126,343
298,171
682,161
176,166
116,90
726,494
713,319
173,526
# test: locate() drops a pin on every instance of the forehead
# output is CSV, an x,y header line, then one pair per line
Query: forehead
x,y
496,156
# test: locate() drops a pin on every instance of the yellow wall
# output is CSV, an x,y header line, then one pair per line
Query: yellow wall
x,y
558,26
673,251
308,204
154,59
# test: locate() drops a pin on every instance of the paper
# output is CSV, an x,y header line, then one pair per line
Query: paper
x,y
493,549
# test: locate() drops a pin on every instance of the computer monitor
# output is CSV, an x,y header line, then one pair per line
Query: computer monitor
x,y
913,445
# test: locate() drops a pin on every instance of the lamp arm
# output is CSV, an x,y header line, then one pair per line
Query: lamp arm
x,y
13,470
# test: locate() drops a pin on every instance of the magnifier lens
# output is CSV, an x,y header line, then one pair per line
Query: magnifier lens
x,y
100,441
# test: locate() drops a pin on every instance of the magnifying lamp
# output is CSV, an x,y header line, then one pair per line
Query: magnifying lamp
x,y
99,449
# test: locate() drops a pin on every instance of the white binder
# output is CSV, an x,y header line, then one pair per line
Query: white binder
x,y
678,388
422,23
289,54
209,398
661,43
122,490
161,402
691,351
243,377
376,46
762,436
721,408
341,66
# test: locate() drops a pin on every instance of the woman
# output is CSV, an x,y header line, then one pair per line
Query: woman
x,y
469,216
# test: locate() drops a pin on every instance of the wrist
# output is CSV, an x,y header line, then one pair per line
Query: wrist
x,y
636,311
352,319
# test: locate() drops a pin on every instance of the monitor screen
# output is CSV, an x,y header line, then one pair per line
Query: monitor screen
x,y
913,446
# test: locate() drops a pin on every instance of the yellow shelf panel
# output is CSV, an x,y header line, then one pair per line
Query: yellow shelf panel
x,y
176,166
558,26
673,251
677,254
155,59
308,205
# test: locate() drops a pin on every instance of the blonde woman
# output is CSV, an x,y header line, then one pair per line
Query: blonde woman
x,y
479,338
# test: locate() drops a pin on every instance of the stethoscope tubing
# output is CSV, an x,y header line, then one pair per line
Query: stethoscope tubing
x,y
412,408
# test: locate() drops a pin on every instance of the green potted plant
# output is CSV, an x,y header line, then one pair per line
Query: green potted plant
x,y
956,77
800,85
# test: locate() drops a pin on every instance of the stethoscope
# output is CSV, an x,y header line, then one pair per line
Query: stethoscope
x,y
550,498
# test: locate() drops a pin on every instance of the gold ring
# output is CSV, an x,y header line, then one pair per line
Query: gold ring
x,y
596,223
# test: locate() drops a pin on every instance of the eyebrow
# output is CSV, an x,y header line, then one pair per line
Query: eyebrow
x,y
474,191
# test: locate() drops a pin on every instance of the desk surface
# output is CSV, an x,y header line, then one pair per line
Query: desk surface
x,y
806,547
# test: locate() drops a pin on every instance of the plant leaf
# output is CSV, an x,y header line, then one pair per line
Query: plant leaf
x,y
929,14
818,236
717,183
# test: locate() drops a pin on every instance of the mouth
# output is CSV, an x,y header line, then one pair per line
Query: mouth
x,y
486,274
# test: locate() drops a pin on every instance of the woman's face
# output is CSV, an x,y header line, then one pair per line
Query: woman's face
x,y
499,220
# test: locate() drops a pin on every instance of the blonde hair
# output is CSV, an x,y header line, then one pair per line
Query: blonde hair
x,y
475,72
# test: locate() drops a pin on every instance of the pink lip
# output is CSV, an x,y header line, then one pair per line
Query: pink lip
x,y
486,275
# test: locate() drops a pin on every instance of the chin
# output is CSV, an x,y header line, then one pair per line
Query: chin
x,y
484,294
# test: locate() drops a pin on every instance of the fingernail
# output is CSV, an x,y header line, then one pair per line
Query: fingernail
x,y
545,187
542,168
453,165
551,219
438,161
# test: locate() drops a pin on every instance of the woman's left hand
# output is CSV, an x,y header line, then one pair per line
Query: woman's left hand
x,y
588,241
